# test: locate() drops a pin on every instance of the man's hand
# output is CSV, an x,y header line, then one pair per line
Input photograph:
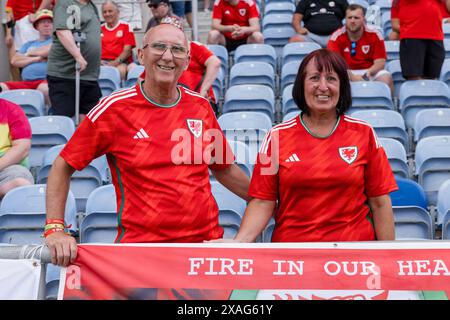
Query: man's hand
x,y
82,63
9,41
63,248
303,31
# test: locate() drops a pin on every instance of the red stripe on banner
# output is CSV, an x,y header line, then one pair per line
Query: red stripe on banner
x,y
118,272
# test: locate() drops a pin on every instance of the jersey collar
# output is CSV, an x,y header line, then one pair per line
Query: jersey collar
x,y
157,104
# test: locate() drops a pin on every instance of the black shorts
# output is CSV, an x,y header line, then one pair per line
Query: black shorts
x,y
232,45
62,95
421,58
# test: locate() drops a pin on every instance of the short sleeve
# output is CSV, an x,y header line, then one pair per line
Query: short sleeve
x,y
254,11
378,177
23,49
217,10
301,7
333,44
202,53
19,127
394,10
129,36
380,49
60,16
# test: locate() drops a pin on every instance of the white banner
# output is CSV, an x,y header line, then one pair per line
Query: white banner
x,y
19,279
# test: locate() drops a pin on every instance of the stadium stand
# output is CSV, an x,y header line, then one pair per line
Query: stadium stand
x,y
432,122
296,51
267,233
274,20
396,154
133,75
288,103
52,282
256,53
281,7
109,80
392,49
288,74
244,157
222,53
443,203
278,37
396,72
31,101
370,95
252,73
445,71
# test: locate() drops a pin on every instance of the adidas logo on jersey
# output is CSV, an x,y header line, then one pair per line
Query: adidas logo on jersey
x,y
293,158
141,134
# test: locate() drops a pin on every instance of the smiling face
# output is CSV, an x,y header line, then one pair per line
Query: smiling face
x,y
110,14
321,89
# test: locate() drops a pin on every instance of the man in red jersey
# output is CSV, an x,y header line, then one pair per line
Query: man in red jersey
x,y
160,139
422,51
235,22
362,48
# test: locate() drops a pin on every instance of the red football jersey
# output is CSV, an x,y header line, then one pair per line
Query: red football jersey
x,y
444,11
115,39
369,48
322,184
238,14
192,77
419,19
21,8
159,160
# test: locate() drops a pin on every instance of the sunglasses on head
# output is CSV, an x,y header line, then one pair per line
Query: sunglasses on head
x,y
353,48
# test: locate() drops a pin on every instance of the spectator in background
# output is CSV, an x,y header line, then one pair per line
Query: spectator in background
x,y
362,47
183,9
117,39
32,57
15,144
235,22
422,51
206,5
64,54
160,9
320,19
395,25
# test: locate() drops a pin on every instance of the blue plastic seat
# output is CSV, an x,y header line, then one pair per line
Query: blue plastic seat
x,y
432,122
396,154
222,53
445,70
290,115
362,3
371,95
446,227
48,131
288,103
278,37
296,51
133,75
22,215
252,73
250,98
245,156
256,53
274,20
268,231
443,202
282,7
446,30
432,160
395,70
447,48
52,282
416,95
219,85
392,49
31,101
384,5
109,79
386,24
288,74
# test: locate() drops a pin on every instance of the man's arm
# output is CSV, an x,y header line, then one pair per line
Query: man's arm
x,y
235,180
254,26
45,4
41,51
383,217
123,56
395,24
63,248
217,25
20,60
378,65
67,40
212,69
297,24
447,4
19,150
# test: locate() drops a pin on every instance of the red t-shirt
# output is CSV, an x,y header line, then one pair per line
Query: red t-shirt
x,y
192,77
322,185
419,19
444,11
368,48
159,165
238,14
21,8
115,39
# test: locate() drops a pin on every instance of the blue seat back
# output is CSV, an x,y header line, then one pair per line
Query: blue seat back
x,y
31,101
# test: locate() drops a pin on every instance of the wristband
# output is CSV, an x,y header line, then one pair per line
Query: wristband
x,y
50,231
365,77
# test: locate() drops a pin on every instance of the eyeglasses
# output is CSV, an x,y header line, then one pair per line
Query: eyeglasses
x,y
353,48
160,48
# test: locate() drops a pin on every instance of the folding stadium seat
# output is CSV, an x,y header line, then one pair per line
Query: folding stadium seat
x,y
296,51
416,95
278,37
267,232
100,223
231,209
432,122
250,98
219,85
443,203
446,227
445,70
387,124
222,53
446,29
22,215
245,157
395,69
412,220
392,49
48,131
447,48
288,74
290,115
109,80
274,20
433,164
31,101
279,7
370,95
252,73
362,3
82,183
384,5
288,103
52,282
396,154
386,23
133,75
275,1
256,53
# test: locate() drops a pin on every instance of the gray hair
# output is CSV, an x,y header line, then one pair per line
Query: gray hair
x,y
112,3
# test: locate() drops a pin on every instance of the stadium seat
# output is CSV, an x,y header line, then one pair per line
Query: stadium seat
x,y
446,29
396,154
133,75
395,69
370,95
222,53
31,101
416,95
412,220
290,115
250,98
48,131
432,122
109,80
384,5
447,48
443,202
446,227
445,70
432,160
387,124
275,20
22,215
296,51
219,84
288,103
52,282
252,73
245,157
288,74
392,49
386,24
281,7
100,223
268,231
278,37
256,53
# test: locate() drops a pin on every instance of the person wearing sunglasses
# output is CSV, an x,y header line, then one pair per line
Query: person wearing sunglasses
x,y
362,47
160,9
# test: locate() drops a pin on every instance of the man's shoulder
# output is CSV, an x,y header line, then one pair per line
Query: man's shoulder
x,y
339,34
373,32
193,96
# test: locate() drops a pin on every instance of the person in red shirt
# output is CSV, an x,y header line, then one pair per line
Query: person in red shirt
x,y
235,22
324,174
422,51
362,48
160,139
117,39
